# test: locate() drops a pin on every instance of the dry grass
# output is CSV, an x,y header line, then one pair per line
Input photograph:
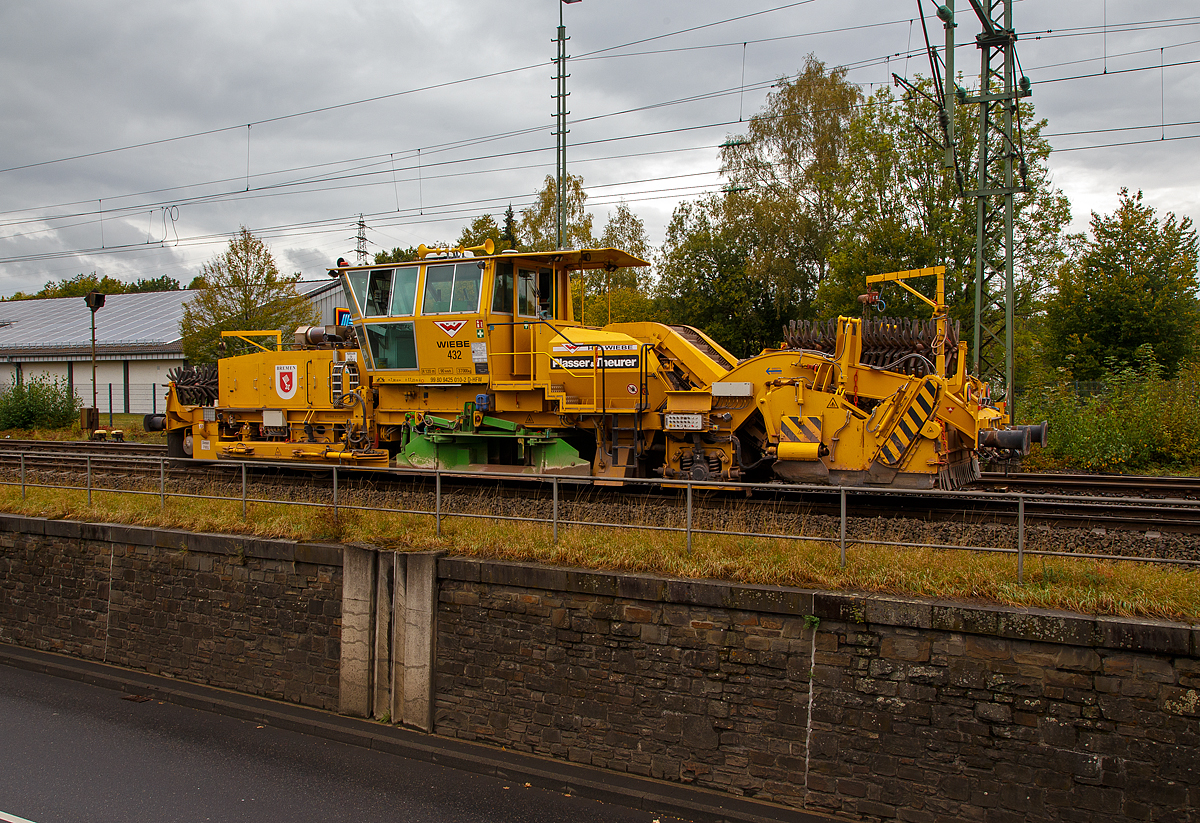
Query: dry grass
x,y
130,424
1078,585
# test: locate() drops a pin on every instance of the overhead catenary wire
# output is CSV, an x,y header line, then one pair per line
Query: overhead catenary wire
x,y
141,207
1082,30
596,54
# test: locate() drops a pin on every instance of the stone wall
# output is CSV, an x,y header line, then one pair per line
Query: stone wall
x,y
874,708
258,616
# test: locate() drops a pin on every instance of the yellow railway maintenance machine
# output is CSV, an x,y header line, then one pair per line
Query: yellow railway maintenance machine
x,y
476,363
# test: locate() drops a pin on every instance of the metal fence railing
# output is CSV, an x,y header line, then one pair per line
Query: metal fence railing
x,y
331,496
124,398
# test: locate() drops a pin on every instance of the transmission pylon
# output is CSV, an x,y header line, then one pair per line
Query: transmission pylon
x,y
360,247
999,161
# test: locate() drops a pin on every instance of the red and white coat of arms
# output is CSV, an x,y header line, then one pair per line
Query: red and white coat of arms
x,y
285,381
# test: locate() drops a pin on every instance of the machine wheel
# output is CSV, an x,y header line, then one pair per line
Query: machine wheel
x,y
179,443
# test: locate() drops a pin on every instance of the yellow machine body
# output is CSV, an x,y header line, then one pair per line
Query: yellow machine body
x,y
477,363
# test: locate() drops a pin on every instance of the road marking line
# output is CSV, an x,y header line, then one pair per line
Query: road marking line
x,y
12,818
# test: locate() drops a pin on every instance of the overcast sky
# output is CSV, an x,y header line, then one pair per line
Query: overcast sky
x,y
135,137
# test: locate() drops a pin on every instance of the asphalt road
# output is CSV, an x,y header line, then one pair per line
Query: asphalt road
x,y
75,753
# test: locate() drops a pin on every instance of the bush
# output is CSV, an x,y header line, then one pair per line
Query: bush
x,y
1138,421
38,402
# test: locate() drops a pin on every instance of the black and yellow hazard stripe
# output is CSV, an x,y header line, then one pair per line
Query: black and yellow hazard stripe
x,y
800,429
914,418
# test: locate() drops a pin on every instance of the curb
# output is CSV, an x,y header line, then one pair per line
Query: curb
x,y
647,794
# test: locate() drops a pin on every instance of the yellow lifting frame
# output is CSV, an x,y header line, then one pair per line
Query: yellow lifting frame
x,y
939,307
246,335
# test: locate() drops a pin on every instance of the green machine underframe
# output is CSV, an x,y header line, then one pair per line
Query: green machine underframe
x,y
473,440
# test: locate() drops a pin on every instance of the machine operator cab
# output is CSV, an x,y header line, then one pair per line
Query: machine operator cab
x,y
455,319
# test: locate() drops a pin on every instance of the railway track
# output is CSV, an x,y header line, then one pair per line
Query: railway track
x,y
1187,488
83,447
1162,510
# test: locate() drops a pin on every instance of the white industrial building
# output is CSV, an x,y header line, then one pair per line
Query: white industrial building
x,y
137,343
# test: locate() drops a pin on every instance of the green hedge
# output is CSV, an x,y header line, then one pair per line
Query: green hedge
x,y
1138,421
38,403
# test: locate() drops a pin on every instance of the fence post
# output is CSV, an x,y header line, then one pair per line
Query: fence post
x,y
1020,540
438,500
154,398
110,413
842,539
335,494
22,475
162,483
243,490
555,509
689,518
89,480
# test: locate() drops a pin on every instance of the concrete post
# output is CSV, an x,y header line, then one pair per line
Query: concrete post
x,y
382,679
389,611
358,613
399,630
420,612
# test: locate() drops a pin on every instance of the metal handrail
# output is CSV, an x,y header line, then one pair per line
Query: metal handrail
x,y
1018,499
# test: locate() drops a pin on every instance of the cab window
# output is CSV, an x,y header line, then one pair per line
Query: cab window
x,y
354,283
452,287
379,292
404,292
546,293
439,284
527,302
502,288
467,280
393,345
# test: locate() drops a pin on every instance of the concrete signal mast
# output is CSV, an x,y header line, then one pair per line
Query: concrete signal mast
x,y
560,127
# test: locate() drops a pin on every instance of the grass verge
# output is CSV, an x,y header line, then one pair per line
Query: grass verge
x,y
1079,585
129,424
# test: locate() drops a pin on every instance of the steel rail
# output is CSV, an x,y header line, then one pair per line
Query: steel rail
x,y
441,509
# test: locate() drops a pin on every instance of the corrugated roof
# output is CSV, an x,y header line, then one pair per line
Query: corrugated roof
x,y
128,320
315,288
146,322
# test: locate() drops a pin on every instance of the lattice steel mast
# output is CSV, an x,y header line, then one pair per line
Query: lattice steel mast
x,y
996,185
560,124
360,245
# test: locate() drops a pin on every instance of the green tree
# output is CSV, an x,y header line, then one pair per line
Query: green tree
x,y
396,255
77,286
244,291
539,222
1132,283
788,173
480,229
627,232
903,210
81,284
704,280
163,283
509,234
621,295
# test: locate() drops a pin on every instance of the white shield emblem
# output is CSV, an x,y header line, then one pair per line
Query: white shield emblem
x,y
285,381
